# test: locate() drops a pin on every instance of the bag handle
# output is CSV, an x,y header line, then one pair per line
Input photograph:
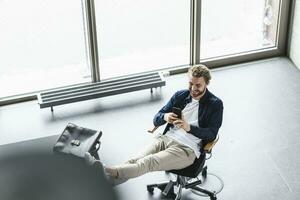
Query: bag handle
x,y
96,147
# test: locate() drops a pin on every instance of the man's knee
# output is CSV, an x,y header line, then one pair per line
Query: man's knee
x,y
149,163
131,161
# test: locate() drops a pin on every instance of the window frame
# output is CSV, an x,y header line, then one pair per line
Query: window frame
x,y
280,49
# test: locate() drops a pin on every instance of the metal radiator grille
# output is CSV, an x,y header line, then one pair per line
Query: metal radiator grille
x,y
101,89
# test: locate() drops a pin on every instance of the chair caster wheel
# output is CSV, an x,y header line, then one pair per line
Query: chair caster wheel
x,y
150,189
213,198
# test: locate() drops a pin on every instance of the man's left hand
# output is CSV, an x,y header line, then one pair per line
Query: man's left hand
x,y
181,123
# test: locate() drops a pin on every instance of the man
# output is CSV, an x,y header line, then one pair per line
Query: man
x,y
178,146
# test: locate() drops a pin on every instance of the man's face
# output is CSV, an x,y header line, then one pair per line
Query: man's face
x,y
197,87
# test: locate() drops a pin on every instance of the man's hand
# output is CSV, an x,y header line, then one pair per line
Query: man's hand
x,y
170,117
181,123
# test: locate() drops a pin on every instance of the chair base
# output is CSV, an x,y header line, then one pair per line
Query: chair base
x,y
167,188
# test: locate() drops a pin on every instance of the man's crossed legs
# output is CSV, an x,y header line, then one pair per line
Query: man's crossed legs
x,y
163,154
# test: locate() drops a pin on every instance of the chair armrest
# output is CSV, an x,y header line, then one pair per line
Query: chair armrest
x,y
153,129
208,147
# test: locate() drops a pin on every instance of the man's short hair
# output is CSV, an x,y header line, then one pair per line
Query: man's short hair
x,y
200,70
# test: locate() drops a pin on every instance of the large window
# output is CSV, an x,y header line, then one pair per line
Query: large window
x,y
42,45
51,43
136,36
237,26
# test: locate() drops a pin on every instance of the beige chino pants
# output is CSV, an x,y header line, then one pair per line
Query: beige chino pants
x,y
163,154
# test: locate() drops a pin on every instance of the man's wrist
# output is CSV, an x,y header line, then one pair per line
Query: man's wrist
x,y
165,117
188,128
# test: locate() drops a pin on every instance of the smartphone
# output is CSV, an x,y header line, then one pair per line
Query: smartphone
x,y
177,111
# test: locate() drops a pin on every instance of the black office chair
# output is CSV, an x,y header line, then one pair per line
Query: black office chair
x,y
184,176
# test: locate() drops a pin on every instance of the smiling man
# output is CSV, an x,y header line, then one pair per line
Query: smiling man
x,y
182,138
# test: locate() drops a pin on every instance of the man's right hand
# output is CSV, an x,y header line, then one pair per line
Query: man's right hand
x,y
170,117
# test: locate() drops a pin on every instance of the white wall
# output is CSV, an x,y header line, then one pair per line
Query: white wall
x,y
295,40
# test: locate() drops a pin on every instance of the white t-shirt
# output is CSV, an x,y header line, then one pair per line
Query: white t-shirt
x,y
190,113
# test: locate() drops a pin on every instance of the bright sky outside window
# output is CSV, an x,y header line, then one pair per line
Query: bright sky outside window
x,y
236,26
42,45
136,36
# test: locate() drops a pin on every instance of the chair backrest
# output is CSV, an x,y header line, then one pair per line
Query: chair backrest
x,y
208,147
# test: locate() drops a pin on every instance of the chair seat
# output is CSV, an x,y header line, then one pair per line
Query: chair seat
x,y
193,170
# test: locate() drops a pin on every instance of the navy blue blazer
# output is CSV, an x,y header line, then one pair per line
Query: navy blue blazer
x,y
210,114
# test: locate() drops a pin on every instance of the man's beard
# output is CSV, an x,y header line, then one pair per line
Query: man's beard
x,y
197,93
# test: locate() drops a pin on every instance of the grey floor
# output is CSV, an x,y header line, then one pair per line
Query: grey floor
x,y
256,155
